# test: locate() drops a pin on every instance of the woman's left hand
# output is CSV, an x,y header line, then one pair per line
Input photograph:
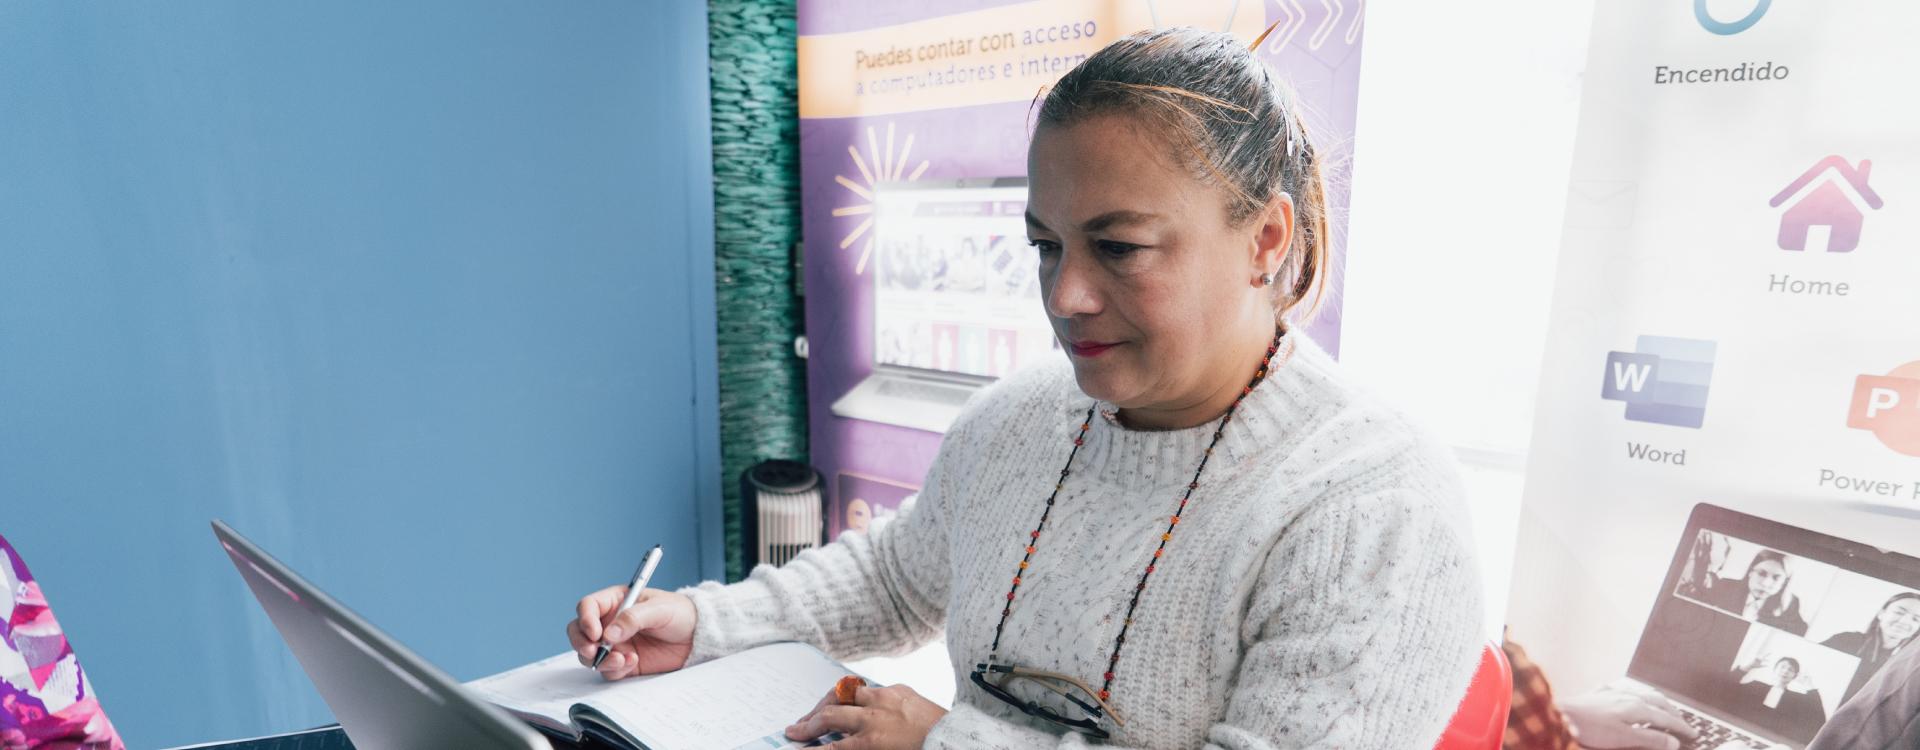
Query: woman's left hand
x,y
878,719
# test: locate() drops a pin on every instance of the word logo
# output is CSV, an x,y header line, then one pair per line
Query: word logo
x,y
1826,206
1708,22
1663,381
1889,407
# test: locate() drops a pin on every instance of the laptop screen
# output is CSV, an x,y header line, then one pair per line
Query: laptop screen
x,y
1771,627
955,285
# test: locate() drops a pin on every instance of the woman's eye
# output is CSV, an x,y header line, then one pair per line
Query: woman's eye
x,y
1116,249
1045,246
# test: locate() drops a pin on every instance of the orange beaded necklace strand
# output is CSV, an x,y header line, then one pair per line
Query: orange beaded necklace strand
x,y
1080,439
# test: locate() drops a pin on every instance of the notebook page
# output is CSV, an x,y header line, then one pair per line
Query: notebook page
x,y
545,689
743,700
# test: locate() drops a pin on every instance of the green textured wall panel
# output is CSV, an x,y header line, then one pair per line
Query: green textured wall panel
x,y
756,185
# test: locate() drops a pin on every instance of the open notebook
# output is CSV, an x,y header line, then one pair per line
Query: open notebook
x,y
736,702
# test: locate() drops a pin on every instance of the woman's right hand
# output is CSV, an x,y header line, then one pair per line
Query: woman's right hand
x,y
1757,668
654,635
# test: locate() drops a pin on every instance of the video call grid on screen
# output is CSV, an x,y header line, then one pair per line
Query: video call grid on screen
x,y
956,285
1715,645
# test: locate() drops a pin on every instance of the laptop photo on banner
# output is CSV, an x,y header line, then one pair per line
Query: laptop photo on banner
x,y
1762,630
956,299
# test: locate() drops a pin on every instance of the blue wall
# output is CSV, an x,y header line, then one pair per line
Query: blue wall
x,y
419,295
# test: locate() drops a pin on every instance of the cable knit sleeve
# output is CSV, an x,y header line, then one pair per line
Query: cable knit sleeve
x,y
1362,631
882,592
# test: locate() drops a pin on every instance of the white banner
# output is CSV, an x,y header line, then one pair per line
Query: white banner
x,y
1724,483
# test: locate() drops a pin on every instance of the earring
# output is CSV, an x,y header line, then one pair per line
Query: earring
x,y
1266,279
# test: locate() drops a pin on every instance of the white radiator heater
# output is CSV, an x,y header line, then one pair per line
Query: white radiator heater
x,y
785,511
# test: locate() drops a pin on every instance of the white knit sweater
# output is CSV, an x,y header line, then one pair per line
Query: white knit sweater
x,y
1319,591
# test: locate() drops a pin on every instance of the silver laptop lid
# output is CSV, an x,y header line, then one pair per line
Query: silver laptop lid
x,y
1770,627
383,695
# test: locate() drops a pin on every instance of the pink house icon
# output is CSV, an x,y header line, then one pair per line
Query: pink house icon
x,y
1834,205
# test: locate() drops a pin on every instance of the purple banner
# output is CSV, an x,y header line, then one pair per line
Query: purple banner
x,y
1318,52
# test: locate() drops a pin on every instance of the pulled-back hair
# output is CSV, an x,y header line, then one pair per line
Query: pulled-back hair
x,y
1209,94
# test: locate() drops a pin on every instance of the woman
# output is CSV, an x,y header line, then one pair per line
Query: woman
x,y
1883,715
1199,531
1786,712
1891,629
1762,596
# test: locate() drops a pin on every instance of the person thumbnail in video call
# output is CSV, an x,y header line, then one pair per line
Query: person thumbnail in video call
x,y
1804,636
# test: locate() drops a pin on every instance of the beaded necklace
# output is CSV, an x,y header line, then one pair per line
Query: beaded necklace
x,y
1080,439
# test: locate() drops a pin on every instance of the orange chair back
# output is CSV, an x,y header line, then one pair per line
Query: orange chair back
x,y
1481,721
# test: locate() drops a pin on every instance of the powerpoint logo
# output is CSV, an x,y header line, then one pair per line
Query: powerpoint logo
x,y
1708,22
1889,407
1664,380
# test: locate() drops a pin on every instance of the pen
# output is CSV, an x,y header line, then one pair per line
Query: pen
x,y
640,576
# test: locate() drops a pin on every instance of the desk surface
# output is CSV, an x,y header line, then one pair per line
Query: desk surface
x,y
926,670
319,738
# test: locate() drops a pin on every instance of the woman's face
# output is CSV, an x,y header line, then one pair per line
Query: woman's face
x,y
1147,285
1900,620
1766,578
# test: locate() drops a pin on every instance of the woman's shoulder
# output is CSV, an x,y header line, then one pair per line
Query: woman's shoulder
x,y
1336,451
1041,391
1845,641
1343,434
1332,401
1787,616
1729,594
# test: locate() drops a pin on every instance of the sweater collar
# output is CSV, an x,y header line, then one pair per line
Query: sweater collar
x,y
1266,419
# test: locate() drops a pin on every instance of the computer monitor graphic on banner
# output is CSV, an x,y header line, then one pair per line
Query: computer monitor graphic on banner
x,y
956,299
